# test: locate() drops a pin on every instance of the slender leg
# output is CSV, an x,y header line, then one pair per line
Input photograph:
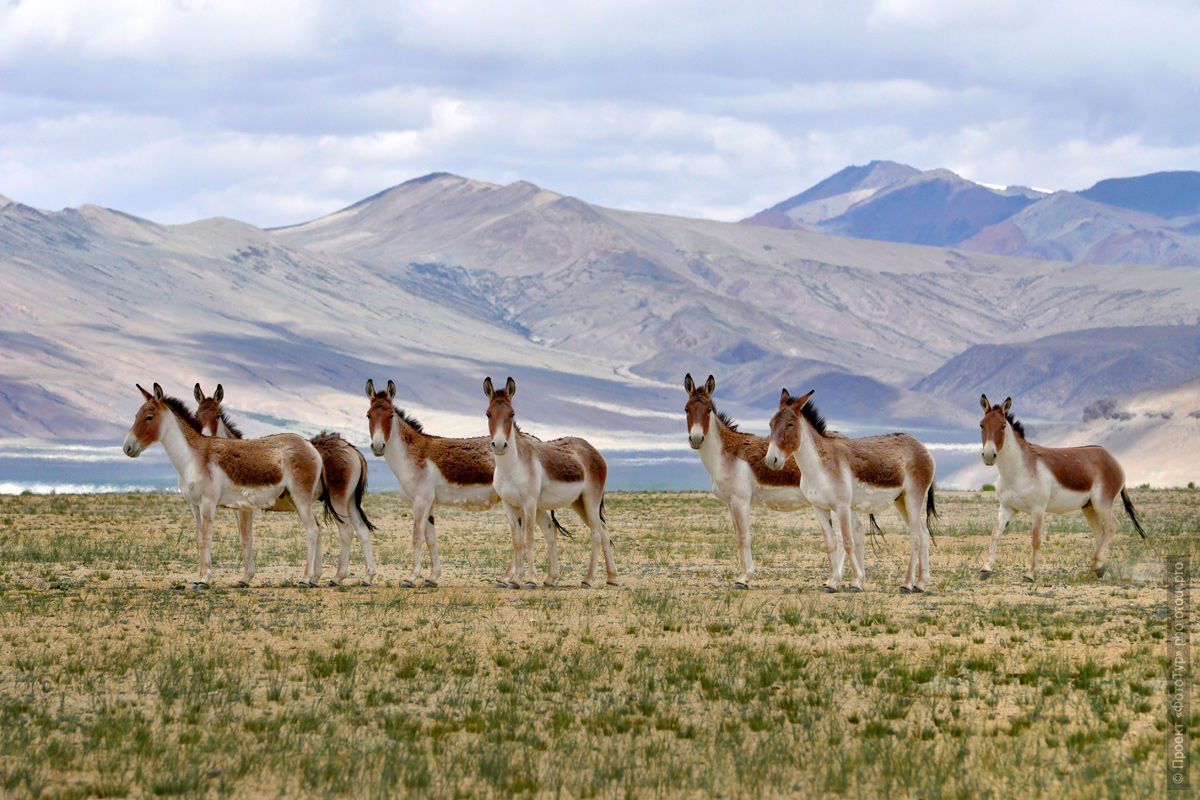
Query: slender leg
x,y
1103,527
514,566
550,534
1039,517
364,538
204,540
529,528
421,508
610,561
245,522
825,518
1003,517
845,526
312,567
435,563
858,556
346,538
739,511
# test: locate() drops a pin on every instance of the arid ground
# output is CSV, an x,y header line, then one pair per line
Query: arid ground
x,y
116,680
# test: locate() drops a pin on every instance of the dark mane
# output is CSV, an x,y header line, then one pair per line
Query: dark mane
x,y
726,420
234,431
411,421
181,411
810,413
1016,426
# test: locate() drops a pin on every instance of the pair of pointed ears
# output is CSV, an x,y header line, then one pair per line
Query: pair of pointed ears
x,y
158,392
218,395
510,388
1004,407
391,389
802,401
689,385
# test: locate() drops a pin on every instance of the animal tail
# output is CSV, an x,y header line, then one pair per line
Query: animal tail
x,y
875,531
558,526
324,497
930,509
603,518
359,491
1132,514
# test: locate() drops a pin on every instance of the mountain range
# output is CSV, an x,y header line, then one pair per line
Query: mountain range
x,y
596,312
1149,219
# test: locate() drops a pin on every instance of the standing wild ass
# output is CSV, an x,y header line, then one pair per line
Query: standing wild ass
x,y
345,477
740,477
843,475
533,476
1054,480
433,470
281,472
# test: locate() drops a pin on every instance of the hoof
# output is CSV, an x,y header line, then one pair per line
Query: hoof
x,y
1099,572
512,585
407,584
333,584
1027,578
306,584
613,583
197,585
741,585
855,589
984,574
829,589
501,584
905,590
530,585
243,584
428,584
585,584
918,590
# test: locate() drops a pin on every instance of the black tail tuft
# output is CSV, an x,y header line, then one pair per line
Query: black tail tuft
x,y
1132,514
558,526
602,517
359,491
875,529
930,511
327,501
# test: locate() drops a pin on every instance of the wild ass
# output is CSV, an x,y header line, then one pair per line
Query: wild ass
x,y
533,476
1055,480
843,475
280,472
433,470
740,477
345,477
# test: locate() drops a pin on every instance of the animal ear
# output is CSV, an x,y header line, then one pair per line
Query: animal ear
x,y
145,394
710,385
510,388
158,392
803,401
783,398
1006,406
391,389
199,393
983,401
689,385
370,389
488,391
219,394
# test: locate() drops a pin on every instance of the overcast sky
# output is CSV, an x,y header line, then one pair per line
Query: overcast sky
x,y
276,112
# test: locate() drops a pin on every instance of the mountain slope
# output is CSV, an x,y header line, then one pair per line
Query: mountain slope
x,y
1163,194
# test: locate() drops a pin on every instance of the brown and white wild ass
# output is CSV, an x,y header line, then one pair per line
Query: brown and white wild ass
x,y
740,477
534,476
1050,480
280,472
433,470
345,478
843,475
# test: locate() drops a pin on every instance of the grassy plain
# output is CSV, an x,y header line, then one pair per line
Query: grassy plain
x,y
115,682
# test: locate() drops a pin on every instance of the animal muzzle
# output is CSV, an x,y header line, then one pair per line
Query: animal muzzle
x,y
989,454
775,459
377,445
499,446
695,440
132,447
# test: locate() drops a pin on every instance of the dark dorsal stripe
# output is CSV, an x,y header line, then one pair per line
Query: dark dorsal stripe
x,y
182,411
1016,426
810,413
726,420
234,431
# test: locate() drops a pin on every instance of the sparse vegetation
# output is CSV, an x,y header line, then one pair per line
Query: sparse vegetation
x,y
115,683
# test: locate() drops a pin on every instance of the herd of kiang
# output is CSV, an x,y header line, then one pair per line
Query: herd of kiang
x,y
800,465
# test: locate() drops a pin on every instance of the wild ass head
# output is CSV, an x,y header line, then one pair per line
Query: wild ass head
x,y
500,414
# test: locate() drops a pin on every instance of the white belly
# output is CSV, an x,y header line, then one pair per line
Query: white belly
x,y
250,496
478,497
780,498
869,499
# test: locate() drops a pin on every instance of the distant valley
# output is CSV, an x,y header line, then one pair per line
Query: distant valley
x,y
596,312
